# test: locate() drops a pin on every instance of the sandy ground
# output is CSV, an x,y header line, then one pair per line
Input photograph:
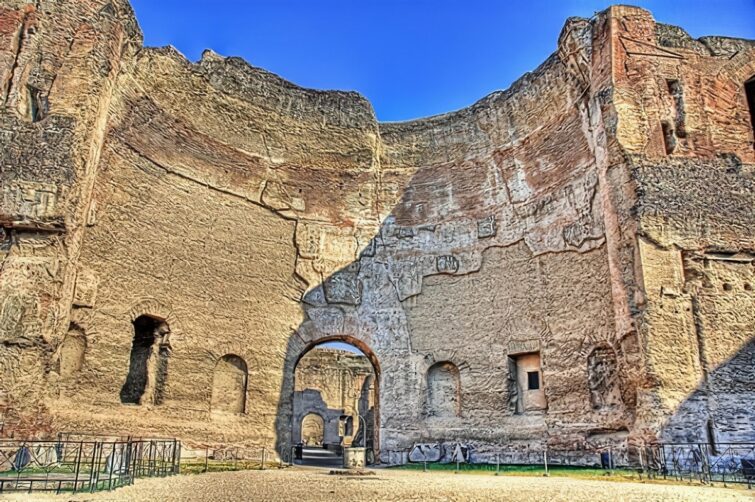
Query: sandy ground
x,y
301,485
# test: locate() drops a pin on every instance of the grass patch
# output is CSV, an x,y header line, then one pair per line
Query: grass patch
x,y
530,470
199,466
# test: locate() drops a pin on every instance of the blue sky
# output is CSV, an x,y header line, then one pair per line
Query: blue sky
x,y
410,58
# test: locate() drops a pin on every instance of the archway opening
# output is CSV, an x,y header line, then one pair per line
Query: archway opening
x,y
335,402
148,362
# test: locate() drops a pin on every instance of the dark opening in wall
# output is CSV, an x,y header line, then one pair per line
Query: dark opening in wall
x,y
750,92
533,380
37,104
148,363
669,140
710,429
676,92
346,425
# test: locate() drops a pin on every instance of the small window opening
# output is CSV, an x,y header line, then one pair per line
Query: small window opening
x,y
669,140
37,104
750,92
533,380
727,286
677,94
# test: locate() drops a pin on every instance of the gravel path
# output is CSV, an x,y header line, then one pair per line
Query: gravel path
x,y
302,485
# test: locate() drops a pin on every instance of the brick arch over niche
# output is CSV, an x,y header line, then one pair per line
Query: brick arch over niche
x,y
158,310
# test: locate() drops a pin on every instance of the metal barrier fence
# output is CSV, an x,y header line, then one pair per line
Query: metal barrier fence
x,y
703,462
83,466
708,463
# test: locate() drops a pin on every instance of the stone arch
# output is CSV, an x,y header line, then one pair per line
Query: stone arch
x,y
229,385
72,351
312,429
443,390
154,308
733,78
299,347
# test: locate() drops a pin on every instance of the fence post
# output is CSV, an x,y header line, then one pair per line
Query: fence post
x,y
642,465
610,460
497,463
706,459
206,458
78,467
111,467
545,461
262,467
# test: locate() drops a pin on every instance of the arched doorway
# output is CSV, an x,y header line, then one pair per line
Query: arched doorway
x,y
312,430
336,385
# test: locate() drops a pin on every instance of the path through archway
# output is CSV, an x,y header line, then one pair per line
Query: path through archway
x,y
335,380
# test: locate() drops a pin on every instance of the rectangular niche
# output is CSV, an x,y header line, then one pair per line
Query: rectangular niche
x,y
526,390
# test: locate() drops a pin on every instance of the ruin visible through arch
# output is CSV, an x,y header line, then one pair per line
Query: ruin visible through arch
x,y
335,402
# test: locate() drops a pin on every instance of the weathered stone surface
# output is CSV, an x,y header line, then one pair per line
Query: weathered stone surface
x,y
591,226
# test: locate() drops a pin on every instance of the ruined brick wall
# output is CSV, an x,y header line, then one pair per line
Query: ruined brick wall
x,y
575,253
688,136
331,383
59,63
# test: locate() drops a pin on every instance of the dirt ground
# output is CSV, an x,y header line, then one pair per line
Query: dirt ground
x,y
301,484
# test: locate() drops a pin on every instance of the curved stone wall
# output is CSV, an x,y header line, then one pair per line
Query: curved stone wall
x,y
591,208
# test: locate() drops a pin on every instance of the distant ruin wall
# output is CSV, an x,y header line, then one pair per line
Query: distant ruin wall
x,y
334,385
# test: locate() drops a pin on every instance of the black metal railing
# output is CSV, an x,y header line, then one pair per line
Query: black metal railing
x,y
702,462
83,466
708,463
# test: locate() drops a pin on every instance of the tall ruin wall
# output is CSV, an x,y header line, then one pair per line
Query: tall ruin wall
x,y
566,262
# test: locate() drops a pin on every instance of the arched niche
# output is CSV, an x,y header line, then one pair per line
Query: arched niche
x,y
229,384
443,390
